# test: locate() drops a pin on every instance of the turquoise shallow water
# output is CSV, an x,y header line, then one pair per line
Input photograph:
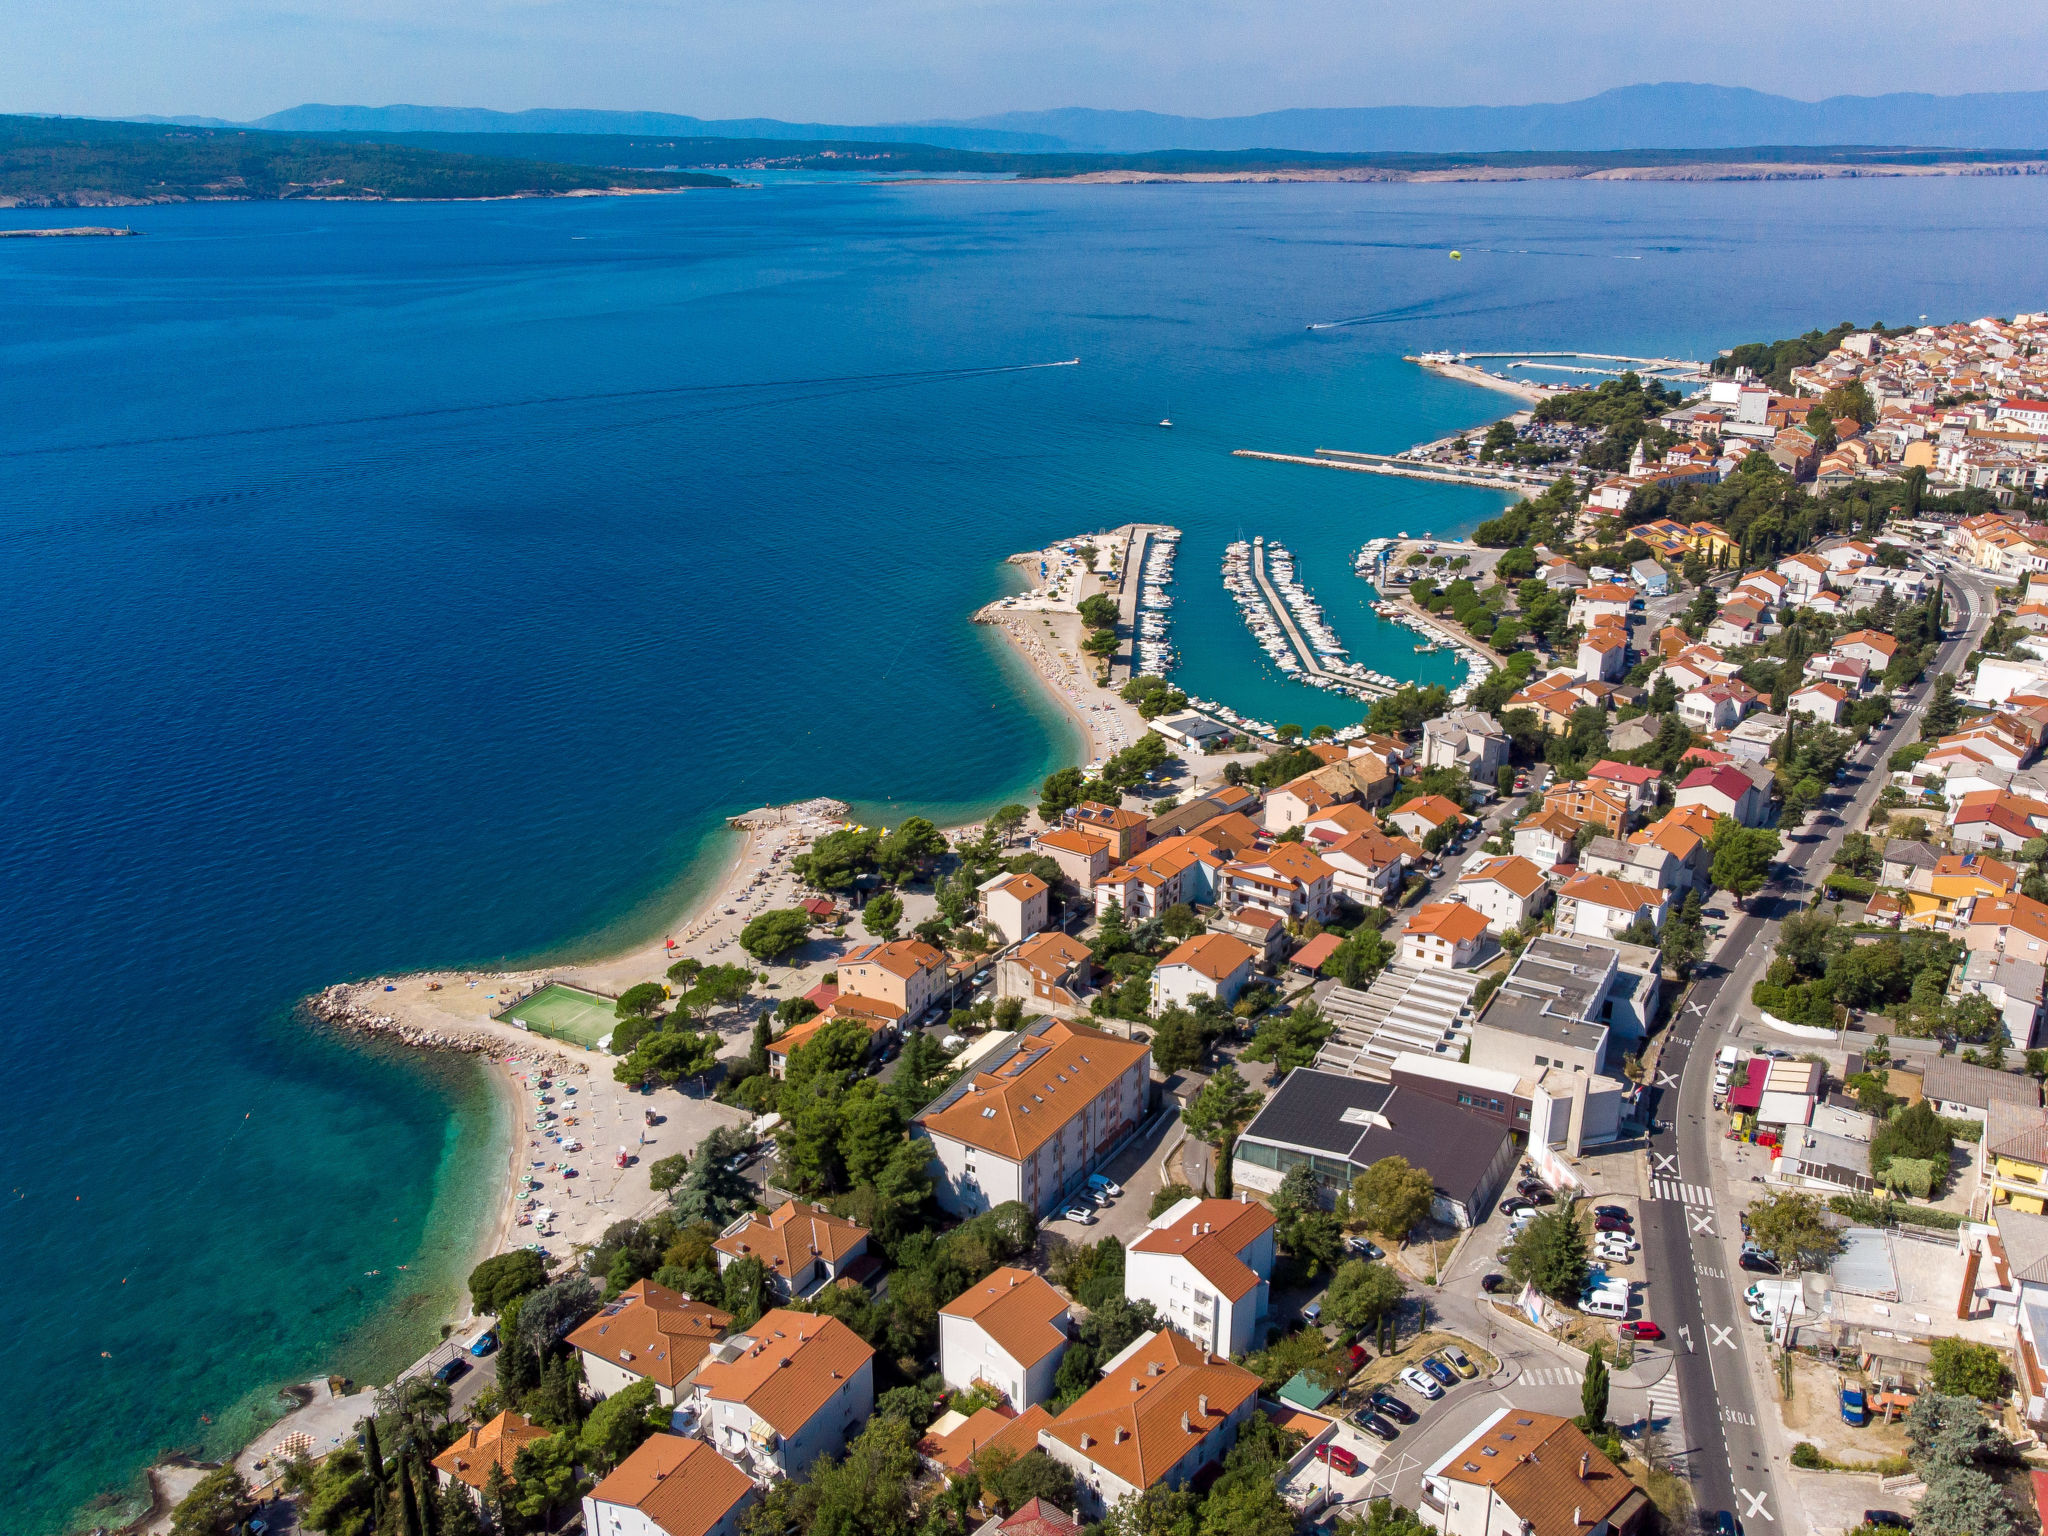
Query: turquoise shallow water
x,y
433,685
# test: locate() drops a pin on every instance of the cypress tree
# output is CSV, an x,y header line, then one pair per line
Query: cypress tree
x,y
430,1508
409,1503
373,1453
1593,1393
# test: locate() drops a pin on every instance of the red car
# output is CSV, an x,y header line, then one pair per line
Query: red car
x,y
1339,1458
1641,1330
1358,1358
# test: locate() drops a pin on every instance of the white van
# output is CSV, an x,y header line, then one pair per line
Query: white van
x,y
1609,1301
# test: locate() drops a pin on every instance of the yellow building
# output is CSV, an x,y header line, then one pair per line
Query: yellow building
x,y
1934,895
1710,541
2014,1156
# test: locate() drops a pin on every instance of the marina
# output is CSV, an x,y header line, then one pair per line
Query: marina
x,y
1288,623
1152,637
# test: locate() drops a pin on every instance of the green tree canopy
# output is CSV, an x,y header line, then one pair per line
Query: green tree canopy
x,y
882,915
1392,1198
838,859
774,934
1220,1108
503,1277
1964,1369
1550,1254
1361,1293
1792,1227
217,1505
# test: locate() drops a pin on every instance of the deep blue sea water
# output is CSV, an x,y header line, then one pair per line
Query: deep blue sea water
x,y
450,678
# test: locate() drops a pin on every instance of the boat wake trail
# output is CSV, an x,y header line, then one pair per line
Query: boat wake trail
x,y
1413,312
830,383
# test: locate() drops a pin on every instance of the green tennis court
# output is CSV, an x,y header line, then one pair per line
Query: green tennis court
x,y
564,1013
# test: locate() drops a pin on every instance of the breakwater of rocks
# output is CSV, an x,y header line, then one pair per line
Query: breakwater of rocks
x,y
338,1008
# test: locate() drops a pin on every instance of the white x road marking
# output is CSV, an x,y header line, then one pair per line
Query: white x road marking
x,y
1721,1335
1702,1221
1756,1506
1666,1080
1667,1162
1694,1007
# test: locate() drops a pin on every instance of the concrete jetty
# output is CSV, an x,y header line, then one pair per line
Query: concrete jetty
x,y
1313,670
1486,478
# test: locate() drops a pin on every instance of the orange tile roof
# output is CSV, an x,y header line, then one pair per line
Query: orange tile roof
x,y
1532,1460
1550,819
654,1332
1516,873
1052,954
1141,1422
1023,886
1434,809
1234,832
1870,637
1023,1314
1074,840
1214,955
1291,861
1606,891
495,1444
1451,920
1032,1103
1095,812
791,1235
1210,1237
1374,849
795,1364
1962,866
682,1485
987,1429
899,957
1346,818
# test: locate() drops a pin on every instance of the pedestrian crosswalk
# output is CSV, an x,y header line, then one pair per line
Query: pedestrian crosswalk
x,y
1553,1376
1665,1410
1687,1194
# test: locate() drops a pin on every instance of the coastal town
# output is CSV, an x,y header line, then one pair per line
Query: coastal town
x,y
1598,1097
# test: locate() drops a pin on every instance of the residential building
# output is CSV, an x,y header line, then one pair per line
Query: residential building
x,y
792,1388
1724,791
1603,654
1903,859
1171,872
1164,1410
1265,933
647,1333
1034,1122
1637,783
1035,1517
1127,831
878,1018
1718,705
479,1449
1287,879
907,974
2012,1156
1524,1473
1591,802
1212,965
1605,600
671,1485
2013,986
1008,1331
1960,1089
1546,838
1651,577
1819,701
1204,1265
1873,649
1339,1125
1367,866
1445,935
1012,906
1465,738
1423,815
1603,907
1084,857
1507,892
804,1247
1053,973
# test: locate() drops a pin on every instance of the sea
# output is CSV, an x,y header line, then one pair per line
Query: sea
x,y
392,586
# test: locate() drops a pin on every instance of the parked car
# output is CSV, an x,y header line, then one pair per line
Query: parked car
x,y
1890,1517
1081,1216
1723,1524
1098,1181
1514,1205
486,1342
1618,1212
1439,1370
1421,1381
1375,1426
1626,1240
1460,1361
1758,1264
1340,1460
1493,1283
1101,1197
1612,1254
1357,1355
1613,1224
452,1370
1312,1313
1759,1312
1383,1401
1642,1328
1365,1248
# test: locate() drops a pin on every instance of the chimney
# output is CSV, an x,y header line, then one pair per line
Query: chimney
x,y
1202,1405
1120,1432
1575,1517
1136,1384
1186,1427
1585,1464
1086,1439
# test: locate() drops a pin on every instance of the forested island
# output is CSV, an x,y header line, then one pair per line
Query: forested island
x,y
83,163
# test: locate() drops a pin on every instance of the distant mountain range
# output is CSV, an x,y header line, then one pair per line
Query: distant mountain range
x,y
1668,116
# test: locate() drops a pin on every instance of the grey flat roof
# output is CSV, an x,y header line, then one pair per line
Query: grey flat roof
x,y
1864,1267
1959,1082
1455,1145
1551,990
1309,1107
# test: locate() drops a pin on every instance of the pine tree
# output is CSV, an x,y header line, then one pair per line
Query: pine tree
x,y
410,1504
757,1053
430,1507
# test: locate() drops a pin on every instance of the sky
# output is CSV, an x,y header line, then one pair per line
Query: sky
x,y
865,61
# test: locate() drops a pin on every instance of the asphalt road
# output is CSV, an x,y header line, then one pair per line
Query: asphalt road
x,y
1689,1249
